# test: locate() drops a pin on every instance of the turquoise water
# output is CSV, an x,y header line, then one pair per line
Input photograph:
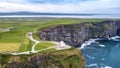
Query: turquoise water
x,y
102,54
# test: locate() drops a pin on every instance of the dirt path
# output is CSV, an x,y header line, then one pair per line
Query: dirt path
x,y
60,45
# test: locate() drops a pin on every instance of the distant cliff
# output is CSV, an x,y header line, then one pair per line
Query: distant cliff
x,y
71,58
76,34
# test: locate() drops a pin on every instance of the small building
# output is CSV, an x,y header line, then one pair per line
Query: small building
x,y
62,43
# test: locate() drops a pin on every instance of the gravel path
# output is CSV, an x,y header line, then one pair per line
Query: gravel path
x,y
60,45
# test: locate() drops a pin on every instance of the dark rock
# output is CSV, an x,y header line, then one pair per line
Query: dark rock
x,y
76,34
71,58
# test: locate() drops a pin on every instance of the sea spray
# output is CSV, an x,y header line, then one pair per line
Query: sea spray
x,y
101,45
89,42
104,54
115,38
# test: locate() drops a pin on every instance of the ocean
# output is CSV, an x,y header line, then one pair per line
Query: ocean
x,y
69,16
98,53
102,53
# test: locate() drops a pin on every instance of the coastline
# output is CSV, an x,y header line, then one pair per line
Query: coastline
x,y
65,16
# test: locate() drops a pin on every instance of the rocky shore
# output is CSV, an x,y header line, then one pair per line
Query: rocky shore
x,y
71,34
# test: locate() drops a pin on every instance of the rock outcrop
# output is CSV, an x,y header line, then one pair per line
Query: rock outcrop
x,y
71,58
76,34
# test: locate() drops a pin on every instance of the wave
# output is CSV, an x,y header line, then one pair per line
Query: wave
x,y
115,38
93,56
107,67
90,57
95,65
101,45
91,65
89,42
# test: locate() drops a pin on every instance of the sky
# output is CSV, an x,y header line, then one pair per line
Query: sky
x,y
62,6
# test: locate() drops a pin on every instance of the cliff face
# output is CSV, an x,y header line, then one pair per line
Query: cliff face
x,y
76,34
71,58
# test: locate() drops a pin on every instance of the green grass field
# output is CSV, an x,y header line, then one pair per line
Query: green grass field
x,y
26,45
9,47
43,45
20,26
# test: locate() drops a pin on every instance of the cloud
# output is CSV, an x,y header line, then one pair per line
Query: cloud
x,y
61,6
56,1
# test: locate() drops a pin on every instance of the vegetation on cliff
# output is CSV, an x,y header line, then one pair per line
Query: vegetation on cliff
x,y
76,34
70,58
20,26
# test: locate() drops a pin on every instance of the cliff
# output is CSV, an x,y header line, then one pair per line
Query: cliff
x,y
71,58
76,34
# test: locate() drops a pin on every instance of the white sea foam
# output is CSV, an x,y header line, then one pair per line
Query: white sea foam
x,y
90,57
115,38
92,65
101,45
88,43
107,67
96,65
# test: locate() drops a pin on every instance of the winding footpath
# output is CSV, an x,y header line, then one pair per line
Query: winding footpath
x,y
32,39
59,45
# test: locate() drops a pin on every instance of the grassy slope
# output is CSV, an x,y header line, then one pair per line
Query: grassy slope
x,y
26,45
18,34
70,58
11,37
23,25
64,58
8,47
66,21
43,45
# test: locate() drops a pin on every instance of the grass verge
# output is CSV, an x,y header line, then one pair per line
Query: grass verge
x,y
43,45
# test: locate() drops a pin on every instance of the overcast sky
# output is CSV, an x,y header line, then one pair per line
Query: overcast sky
x,y
62,6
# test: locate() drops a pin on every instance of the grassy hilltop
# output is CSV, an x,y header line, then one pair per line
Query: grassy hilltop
x,y
15,40
70,58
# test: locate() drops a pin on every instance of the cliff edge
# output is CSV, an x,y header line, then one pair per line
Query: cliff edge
x,y
70,58
76,34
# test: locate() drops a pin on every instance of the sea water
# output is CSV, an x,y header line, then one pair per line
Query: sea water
x,y
102,53
116,16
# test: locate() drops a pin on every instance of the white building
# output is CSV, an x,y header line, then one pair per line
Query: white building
x,y
62,43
